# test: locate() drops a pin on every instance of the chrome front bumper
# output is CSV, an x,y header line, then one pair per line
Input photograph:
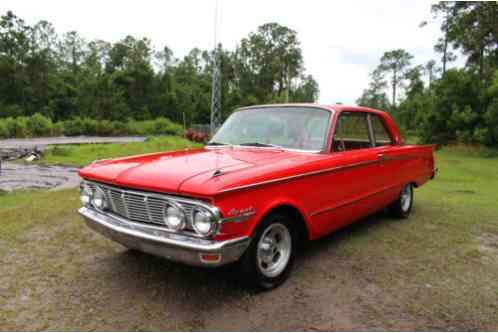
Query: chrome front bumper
x,y
156,241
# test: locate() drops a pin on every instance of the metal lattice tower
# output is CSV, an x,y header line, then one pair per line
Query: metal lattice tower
x,y
216,94
216,83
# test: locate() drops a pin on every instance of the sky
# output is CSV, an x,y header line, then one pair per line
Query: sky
x,y
342,41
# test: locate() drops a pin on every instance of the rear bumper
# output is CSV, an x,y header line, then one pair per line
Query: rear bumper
x,y
156,241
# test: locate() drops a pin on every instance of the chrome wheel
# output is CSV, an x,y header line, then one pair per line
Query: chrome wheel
x,y
274,250
406,197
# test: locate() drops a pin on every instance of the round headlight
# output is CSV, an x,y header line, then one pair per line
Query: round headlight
x,y
203,222
85,194
99,200
174,217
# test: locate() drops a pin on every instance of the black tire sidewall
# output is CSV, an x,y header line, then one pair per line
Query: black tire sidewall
x,y
250,269
407,212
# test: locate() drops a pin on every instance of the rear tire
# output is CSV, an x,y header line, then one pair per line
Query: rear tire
x,y
402,207
268,260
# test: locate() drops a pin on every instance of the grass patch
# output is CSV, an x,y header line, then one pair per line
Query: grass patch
x,y
23,210
80,155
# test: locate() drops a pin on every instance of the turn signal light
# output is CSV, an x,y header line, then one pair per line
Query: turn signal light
x,y
210,258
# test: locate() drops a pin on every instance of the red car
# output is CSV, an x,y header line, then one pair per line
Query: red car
x,y
271,177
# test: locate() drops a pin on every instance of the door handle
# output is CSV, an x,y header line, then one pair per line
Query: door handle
x,y
381,156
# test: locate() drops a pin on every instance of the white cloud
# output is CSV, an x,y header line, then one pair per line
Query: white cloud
x,y
341,40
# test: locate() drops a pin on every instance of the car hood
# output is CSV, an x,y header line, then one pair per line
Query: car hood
x,y
201,172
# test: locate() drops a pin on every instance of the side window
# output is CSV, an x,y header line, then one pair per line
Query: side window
x,y
351,132
382,136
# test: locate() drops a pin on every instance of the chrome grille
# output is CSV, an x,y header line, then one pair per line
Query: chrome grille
x,y
140,206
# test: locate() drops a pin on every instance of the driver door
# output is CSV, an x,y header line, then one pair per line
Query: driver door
x,y
354,181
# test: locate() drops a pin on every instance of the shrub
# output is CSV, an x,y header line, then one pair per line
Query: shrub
x,y
4,131
195,136
18,127
166,127
58,129
39,125
73,127
104,128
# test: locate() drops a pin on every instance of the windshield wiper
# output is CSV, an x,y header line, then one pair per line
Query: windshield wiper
x,y
259,144
214,143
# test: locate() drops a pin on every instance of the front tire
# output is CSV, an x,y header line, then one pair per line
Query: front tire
x,y
402,207
268,261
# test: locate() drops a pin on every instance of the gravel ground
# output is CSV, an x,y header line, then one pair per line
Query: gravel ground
x,y
63,140
15,176
66,277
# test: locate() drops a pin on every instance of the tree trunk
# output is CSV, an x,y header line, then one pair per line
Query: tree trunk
x,y
395,83
445,48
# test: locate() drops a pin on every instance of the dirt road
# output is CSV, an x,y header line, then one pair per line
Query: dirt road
x,y
64,140
16,176
65,277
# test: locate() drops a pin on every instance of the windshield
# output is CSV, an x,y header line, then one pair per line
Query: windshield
x,y
301,128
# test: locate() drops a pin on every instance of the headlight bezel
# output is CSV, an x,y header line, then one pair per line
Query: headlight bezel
x,y
183,223
213,220
86,189
102,196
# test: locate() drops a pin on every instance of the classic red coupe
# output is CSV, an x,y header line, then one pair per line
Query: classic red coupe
x,y
271,177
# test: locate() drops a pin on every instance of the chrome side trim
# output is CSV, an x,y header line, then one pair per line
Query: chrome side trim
x,y
312,173
238,219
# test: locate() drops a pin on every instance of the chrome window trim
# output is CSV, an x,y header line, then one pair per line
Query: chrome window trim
x,y
265,148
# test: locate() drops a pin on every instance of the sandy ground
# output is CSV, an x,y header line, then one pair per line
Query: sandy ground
x,y
15,176
66,277
63,140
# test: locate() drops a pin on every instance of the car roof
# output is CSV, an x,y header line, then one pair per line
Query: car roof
x,y
330,107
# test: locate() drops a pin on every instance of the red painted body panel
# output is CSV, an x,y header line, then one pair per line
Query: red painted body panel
x,y
329,189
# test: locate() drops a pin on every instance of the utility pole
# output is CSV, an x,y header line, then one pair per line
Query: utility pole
x,y
216,84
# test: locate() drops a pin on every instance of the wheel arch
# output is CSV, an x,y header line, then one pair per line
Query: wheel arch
x,y
288,208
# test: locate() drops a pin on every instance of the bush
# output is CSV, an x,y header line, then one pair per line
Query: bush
x,y
105,128
58,129
166,127
196,136
39,125
18,127
4,131
73,127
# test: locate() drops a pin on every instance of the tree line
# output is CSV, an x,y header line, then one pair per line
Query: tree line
x,y
451,105
65,77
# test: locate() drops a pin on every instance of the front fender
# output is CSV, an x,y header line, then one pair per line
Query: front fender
x,y
261,202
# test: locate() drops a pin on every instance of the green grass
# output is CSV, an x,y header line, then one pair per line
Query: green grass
x,y
439,266
80,155
23,210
